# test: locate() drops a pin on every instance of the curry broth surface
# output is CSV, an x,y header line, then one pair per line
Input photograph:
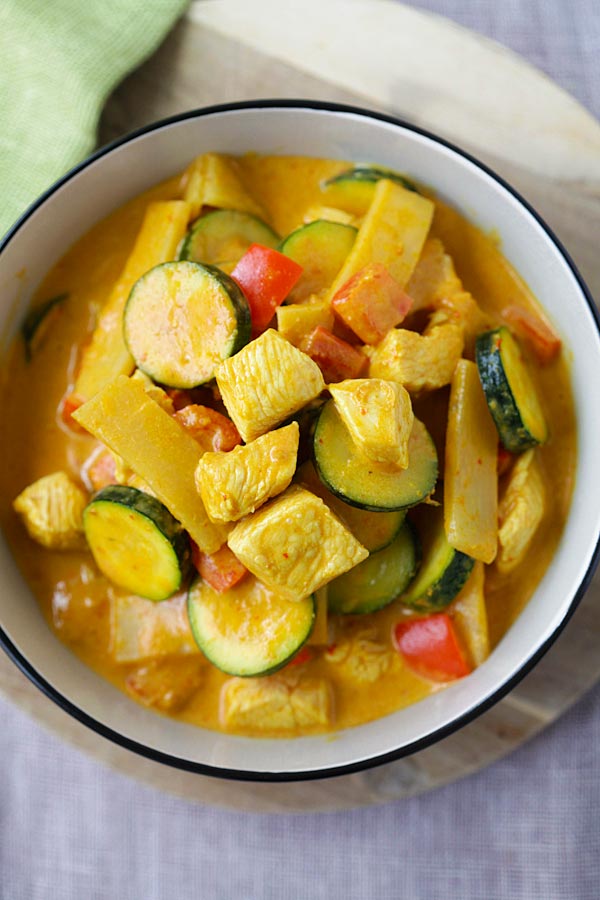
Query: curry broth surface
x,y
34,444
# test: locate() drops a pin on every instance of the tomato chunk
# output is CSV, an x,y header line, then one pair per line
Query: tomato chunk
x,y
336,359
67,406
102,470
266,277
210,428
371,303
542,340
430,647
222,570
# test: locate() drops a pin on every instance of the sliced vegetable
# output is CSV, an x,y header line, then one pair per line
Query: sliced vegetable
x,y
296,321
230,628
353,190
353,477
431,648
38,321
374,530
213,180
378,580
221,570
470,472
266,277
443,571
336,359
266,382
510,393
107,356
225,234
371,303
211,429
166,458
469,615
535,331
182,320
321,248
319,636
136,542
100,469
392,234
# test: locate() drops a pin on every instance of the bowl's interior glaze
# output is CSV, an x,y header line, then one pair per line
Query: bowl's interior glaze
x,y
112,178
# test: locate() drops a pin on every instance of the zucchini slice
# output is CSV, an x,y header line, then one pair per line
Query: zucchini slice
x,y
136,542
249,630
443,572
378,580
225,234
321,248
510,393
182,320
353,190
355,478
38,321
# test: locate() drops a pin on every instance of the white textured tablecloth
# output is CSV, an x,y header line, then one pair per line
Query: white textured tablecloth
x,y
526,828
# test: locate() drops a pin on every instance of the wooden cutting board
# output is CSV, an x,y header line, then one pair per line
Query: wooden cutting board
x,y
429,71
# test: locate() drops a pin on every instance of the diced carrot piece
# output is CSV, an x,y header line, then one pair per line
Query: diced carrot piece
x,y
102,470
542,340
336,359
67,406
210,428
266,277
431,648
505,458
371,303
221,570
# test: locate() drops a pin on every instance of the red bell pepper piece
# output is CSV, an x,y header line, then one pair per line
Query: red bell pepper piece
x,y
221,570
430,647
542,340
266,277
210,428
371,303
336,359
67,406
505,458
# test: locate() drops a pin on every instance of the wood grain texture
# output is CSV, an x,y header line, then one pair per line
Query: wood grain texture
x,y
217,55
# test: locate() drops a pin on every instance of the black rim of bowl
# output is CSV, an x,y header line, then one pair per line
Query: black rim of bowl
x,y
439,733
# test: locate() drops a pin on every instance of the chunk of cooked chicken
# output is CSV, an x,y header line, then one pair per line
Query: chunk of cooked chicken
x,y
236,483
274,704
360,657
378,415
166,684
520,511
52,511
420,362
434,277
295,544
266,382
141,629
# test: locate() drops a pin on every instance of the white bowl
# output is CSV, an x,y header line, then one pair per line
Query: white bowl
x,y
132,164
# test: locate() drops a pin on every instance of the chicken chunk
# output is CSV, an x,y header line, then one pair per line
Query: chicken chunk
x,y
274,704
420,362
295,544
266,382
360,657
141,629
166,684
378,415
52,511
520,511
236,483
434,277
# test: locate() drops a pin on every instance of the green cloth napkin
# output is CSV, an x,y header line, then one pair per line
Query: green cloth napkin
x,y
60,59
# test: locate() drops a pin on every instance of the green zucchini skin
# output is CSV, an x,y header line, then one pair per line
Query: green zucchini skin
x,y
136,542
235,648
509,392
378,580
36,322
223,233
207,298
443,571
358,481
321,248
373,174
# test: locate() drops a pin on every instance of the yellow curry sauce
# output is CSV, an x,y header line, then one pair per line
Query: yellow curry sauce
x,y
74,597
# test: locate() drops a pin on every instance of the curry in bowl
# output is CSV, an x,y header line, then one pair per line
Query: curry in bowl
x,y
285,435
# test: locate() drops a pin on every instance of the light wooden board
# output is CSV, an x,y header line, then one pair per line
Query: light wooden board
x,y
521,124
